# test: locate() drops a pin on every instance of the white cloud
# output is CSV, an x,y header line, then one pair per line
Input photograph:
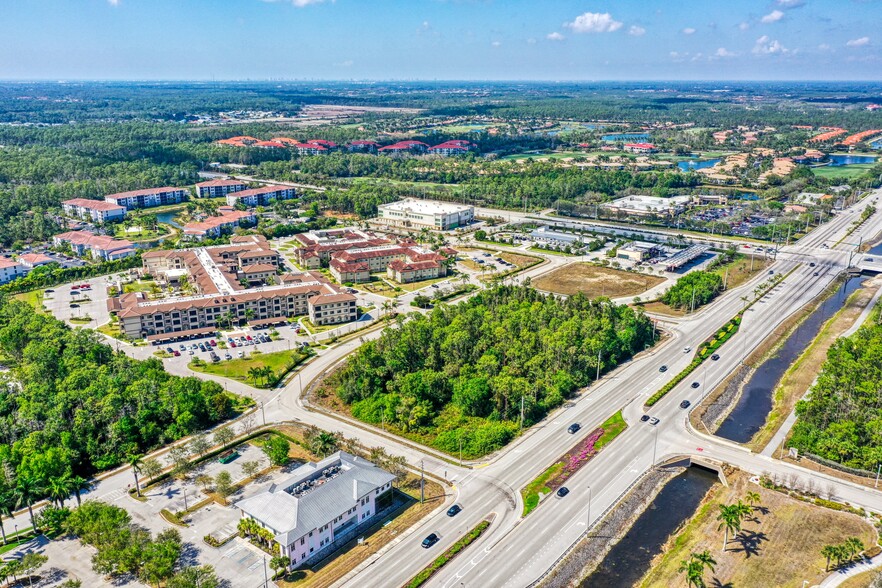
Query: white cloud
x,y
496,43
858,42
594,22
531,41
688,31
823,47
771,17
723,52
555,36
766,46
636,31
744,26
790,3
113,2
347,63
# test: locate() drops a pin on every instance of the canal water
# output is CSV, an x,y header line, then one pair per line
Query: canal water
x,y
692,165
755,402
630,558
168,218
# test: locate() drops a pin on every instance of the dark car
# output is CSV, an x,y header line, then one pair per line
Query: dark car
x,y
684,404
430,541
562,491
573,428
663,368
454,510
176,353
771,271
715,356
74,305
695,384
49,290
817,274
812,264
644,418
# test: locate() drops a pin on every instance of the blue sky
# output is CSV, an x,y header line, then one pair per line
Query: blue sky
x,y
441,39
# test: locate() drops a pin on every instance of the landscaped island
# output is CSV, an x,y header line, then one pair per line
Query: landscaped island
x,y
460,376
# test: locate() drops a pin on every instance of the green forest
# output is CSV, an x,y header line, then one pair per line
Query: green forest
x,y
841,420
461,373
70,406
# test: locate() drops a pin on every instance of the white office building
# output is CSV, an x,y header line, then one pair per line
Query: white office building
x,y
420,214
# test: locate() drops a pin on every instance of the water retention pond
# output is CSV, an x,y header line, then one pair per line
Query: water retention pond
x,y
630,558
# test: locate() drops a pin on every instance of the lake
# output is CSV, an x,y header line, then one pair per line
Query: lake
x,y
695,164
839,160
627,137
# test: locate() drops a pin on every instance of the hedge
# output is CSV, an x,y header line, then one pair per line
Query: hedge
x,y
422,577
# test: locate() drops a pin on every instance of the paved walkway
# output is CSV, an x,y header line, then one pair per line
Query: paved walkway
x,y
840,576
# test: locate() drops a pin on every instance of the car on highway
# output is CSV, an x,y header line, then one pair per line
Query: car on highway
x,y
812,264
563,491
687,349
430,540
771,272
870,259
663,368
684,404
644,418
454,510
653,421
817,274
573,428
715,356
695,384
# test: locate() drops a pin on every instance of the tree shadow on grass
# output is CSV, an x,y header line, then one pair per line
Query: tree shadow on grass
x,y
715,583
750,542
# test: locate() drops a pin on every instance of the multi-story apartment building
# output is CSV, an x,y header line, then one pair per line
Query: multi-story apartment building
x,y
322,505
331,308
11,269
218,188
101,247
260,196
97,211
214,226
319,246
419,214
148,197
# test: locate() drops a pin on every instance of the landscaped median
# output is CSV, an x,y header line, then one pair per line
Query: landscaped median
x,y
448,555
569,463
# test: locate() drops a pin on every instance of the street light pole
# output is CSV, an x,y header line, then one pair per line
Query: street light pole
x,y
655,445
598,364
878,470
588,522
422,482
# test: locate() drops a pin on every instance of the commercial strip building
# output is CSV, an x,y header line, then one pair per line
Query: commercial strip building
x,y
322,505
218,188
638,251
418,214
97,211
101,247
648,205
216,275
260,196
148,197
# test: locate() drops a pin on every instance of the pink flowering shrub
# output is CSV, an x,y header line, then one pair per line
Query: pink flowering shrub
x,y
576,458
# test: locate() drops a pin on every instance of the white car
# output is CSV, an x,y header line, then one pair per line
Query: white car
x,y
241,354
687,349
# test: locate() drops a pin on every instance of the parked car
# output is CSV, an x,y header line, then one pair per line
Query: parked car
x,y
74,305
176,353
663,368
644,418
49,290
169,350
812,264
573,428
653,421
454,510
430,540
563,491
213,343
241,354
684,404
232,343
191,352
228,356
817,274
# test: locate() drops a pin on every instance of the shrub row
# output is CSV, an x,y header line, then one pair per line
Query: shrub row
x,y
444,558
838,466
704,351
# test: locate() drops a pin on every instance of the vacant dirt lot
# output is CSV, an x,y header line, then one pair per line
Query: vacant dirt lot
x,y
781,546
595,280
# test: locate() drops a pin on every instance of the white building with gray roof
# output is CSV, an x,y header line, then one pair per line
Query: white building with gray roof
x,y
322,502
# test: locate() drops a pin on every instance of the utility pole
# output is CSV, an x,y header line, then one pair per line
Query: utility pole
x,y
598,365
693,300
262,412
588,522
878,470
422,482
460,448
522,412
265,578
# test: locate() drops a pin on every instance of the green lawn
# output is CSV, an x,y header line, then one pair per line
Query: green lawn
x,y
34,298
281,362
842,172
139,286
134,234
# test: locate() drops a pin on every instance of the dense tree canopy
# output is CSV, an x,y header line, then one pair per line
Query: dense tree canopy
x,y
464,370
841,419
694,289
71,406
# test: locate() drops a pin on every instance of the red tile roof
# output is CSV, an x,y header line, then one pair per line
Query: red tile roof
x,y
144,192
213,183
93,204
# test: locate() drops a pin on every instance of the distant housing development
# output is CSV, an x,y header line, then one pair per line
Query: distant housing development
x,y
260,196
101,247
216,274
322,505
425,213
214,226
148,197
97,211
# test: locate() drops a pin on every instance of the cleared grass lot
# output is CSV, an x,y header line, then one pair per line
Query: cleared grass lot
x,y
595,280
281,362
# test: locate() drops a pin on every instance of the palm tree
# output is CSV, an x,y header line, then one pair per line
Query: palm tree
x,y
27,489
694,572
254,374
60,489
268,374
136,463
5,511
854,545
828,551
730,520
77,485
753,499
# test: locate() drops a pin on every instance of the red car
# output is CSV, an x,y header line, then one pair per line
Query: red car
x,y
176,353
74,287
232,343
212,343
248,337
